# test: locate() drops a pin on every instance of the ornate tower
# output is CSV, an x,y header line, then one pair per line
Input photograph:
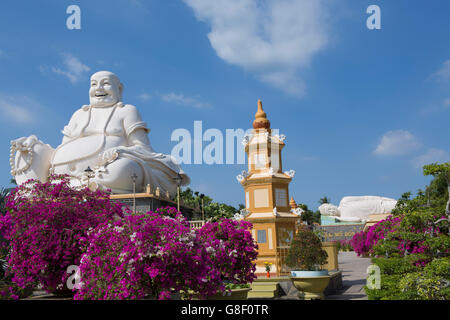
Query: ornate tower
x,y
266,189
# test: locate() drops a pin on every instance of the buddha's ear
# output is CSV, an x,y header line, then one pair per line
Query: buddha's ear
x,y
120,89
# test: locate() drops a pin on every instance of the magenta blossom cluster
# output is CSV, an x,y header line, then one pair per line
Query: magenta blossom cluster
x,y
156,254
232,248
168,211
51,226
364,241
44,224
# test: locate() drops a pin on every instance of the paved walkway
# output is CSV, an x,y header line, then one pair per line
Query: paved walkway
x,y
354,273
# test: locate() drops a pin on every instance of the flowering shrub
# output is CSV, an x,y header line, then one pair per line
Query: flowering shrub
x,y
431,283
359,243
44,224
168,211
401,235
154,254
364,241
231,248
412,252
146,254
417,235
306,251
51,226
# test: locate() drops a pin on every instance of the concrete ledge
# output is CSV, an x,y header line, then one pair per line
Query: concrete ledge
x,y
265,288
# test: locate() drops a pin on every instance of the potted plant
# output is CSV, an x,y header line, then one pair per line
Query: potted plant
x,y
268,266
305,258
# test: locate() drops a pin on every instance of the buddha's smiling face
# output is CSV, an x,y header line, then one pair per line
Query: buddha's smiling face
x,y
105,90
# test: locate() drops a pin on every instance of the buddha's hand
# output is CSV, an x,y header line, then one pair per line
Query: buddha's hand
x,y
23,143
110,155
18,143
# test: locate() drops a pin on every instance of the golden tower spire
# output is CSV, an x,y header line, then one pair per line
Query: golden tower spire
x,y
292,203
261,121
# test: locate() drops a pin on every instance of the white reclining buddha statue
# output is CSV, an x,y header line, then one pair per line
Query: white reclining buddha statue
x,y
107,136
358,208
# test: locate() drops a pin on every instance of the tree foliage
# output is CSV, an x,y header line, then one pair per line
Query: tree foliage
x,y
442,172
212,210
309,216
413,254
305,252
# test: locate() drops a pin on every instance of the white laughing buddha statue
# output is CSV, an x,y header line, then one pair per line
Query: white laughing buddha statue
x,y
107,136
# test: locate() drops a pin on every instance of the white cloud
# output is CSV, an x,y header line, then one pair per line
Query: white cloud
x,y
137,3
16,109
397,142
431,156
273,39
183,100
436,107
144,96
447,103
444,72
307,158
74,70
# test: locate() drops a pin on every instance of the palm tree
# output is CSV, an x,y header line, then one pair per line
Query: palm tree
x,y
324,200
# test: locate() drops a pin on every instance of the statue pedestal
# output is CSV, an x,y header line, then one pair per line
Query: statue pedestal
x,y
373,219
145,202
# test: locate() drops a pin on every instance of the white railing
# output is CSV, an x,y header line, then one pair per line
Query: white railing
x,y
196,224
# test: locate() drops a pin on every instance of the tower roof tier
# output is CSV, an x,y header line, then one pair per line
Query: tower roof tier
x,y
264,140
258,178
269,217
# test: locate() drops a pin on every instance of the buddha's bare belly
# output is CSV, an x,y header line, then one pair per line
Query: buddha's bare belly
x,y
83,152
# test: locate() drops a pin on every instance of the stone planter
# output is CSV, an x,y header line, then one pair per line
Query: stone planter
x,y
61,294
235,294
310,284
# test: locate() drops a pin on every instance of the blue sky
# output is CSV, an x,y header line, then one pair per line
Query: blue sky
x,y
362,109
